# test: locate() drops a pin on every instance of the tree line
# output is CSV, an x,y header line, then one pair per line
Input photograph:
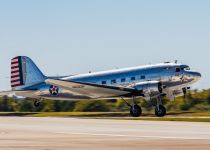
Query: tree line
x,y
194,101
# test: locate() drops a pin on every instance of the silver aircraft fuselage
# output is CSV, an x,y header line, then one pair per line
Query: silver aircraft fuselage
x,y
150,82
174,77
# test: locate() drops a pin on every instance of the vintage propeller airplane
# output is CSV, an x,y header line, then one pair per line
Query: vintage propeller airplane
x,y
151,81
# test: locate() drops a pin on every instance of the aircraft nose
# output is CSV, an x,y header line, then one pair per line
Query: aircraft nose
x,y
196,75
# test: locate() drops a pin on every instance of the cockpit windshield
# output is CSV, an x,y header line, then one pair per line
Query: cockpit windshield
x,y
185,68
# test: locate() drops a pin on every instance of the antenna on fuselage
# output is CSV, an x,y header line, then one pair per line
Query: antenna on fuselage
x,y
175,61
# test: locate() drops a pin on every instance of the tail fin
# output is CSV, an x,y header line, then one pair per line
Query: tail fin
x,y
24,73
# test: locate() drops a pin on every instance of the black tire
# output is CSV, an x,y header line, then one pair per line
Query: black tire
x,y
161,111
36,103
135,111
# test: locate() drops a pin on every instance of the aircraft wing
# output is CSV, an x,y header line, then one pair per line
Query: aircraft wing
x,y
92,90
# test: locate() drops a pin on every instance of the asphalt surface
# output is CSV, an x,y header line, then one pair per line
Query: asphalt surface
x,y
34,133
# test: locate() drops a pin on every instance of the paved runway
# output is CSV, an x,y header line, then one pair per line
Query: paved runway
x,y
27,133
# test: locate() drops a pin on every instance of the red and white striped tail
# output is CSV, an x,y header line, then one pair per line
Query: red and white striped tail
x,y
24,73
16,72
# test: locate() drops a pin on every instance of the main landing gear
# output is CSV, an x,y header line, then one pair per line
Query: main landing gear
x,y
136,111
160,110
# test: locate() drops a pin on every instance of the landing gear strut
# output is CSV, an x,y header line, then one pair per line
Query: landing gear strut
x,y
160,110
135,110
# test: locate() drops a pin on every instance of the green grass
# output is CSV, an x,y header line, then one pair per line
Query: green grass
x,y
81,114
191,119
101,114
66,114
173,116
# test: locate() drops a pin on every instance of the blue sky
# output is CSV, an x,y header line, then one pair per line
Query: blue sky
x,y
69,37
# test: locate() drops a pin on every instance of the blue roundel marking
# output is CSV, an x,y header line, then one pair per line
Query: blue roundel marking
x,y
54,90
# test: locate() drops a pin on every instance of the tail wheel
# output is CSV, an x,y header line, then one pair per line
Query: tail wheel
x,y
36,103
160,111
135,110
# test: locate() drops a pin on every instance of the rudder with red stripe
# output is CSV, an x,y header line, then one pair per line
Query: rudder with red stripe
x,y
16,72
24,73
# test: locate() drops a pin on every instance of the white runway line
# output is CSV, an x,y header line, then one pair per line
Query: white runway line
x,y
130,136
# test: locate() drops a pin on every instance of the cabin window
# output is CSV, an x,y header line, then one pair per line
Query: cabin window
x,y
113,81
123,80
143,77
167,68
178,69
103,82
133,78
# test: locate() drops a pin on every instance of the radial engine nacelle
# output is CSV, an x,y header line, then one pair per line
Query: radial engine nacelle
x,y
149,88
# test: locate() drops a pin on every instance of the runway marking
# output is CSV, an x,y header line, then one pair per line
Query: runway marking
x,y
3,132
130,136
